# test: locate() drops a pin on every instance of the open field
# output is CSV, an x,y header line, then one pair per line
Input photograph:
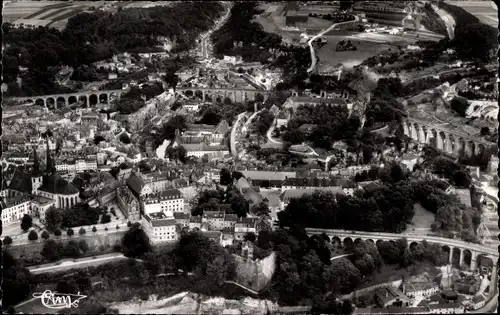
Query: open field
x,y
46,13
366,49
485,11
422,218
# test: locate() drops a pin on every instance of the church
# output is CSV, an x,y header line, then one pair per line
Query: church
x,y
45,189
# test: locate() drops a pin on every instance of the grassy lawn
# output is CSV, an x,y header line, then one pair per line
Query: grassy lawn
x,y
422,218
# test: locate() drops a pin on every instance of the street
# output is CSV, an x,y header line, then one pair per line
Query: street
x,y
76,263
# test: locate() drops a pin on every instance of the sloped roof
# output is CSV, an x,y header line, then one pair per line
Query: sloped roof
x,y
222,127
55,184
135,183
21,182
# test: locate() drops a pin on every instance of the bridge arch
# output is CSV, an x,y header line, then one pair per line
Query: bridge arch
x,y
460,146
61,101
441,138
467,257
82,99
336,241
199,94
103,98
41,102
449,144
455,256
470,148
348,242
72,100
432,137
51,103
358,240
413,246
370,241
93,99
189,93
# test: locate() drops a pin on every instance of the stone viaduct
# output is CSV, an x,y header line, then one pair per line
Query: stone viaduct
x,y
236,95
454,143
459,251
87,97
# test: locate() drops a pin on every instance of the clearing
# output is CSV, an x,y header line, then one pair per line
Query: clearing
x,y
366,49
422,218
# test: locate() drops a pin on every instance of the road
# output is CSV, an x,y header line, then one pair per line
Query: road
x,y
270,138
341,256
311,48
205,38
77,263
447,19
232,141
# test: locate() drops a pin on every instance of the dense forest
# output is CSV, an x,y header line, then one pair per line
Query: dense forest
x,y
90,37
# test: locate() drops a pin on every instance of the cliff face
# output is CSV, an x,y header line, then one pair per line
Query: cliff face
x,y
255,274
192,303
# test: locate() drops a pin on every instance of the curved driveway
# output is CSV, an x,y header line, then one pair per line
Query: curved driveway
x,y
311,48
232,140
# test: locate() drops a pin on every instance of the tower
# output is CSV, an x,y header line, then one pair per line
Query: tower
x,y
36,178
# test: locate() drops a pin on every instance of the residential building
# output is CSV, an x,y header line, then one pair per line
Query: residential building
x,y
159,227
214,220
409,160
388,296
195,222
168,201
449,308
40,205
422,289
182,219
293,102
478,301
244,226
128,204
200,149
267,179
14,208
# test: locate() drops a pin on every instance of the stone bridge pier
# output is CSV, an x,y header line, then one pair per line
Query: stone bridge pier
x,y
452,143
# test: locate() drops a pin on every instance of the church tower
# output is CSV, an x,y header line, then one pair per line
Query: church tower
x,y
36,178
50,162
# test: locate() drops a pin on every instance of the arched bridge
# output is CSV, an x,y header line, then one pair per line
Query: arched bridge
x,y
235,94
452,142
87,97
466,252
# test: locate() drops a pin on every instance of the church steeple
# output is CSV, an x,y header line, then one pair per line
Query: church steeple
x,y
50,162
36,163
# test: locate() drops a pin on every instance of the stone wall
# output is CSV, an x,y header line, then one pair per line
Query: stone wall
x,y
99,242
255,275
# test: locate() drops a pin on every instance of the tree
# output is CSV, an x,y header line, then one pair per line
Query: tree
x,y
129,224
117,227
26,222
141,274
67,286
53,218
135,242
45,235
7,240
52,250
459,105
82,231
98,139
83,246
94,229
33,235
72,249
250,236
225,176
106,218
57,232
70,232
124,138
260,209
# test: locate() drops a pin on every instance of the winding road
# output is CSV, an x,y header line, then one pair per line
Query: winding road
x,y
232,140
313,53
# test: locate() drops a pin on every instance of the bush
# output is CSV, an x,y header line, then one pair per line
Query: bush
x,y
117,227
7,240
106,218
113,212
94,229
33,236
57,232
45,235
26,222
70,232
106,229
129,224
82,231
